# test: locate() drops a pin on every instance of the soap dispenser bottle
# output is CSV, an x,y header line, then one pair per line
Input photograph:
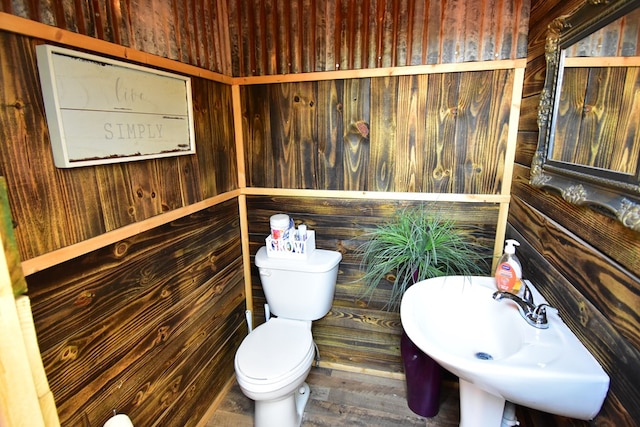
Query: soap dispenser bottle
x,y
509,271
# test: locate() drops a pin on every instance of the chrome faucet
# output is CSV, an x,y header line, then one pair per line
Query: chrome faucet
x,y
535,315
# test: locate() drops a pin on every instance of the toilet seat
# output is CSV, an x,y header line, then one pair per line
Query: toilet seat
x,y
274,353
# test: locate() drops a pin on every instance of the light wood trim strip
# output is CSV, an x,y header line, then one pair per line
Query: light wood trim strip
x,y
246,253
509,160
384,72
242,199
238,135
58,256
61,255
374,195
512,136
501,230
602,61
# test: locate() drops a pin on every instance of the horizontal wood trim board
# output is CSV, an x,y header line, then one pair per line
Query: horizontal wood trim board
x,y
29,28
602,61
358,370
384,72
50,259
379,195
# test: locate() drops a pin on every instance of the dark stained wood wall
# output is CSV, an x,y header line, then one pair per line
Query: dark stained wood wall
x,y
441,133
103,198
148,325
437,133
619,38
597,104
161,382
586,264
358,332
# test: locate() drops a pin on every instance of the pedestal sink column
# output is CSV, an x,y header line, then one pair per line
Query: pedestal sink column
x,y
479,408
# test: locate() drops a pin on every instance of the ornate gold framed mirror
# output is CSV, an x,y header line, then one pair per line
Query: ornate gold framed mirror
x,y
589,113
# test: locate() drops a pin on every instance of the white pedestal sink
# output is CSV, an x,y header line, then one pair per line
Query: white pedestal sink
x,y
498,356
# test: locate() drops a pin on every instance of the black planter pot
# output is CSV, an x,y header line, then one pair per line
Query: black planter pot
x,y
423,379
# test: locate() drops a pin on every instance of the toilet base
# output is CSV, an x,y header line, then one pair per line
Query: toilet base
x,y
286,412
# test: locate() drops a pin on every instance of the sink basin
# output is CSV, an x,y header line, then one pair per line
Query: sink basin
x,y
498,356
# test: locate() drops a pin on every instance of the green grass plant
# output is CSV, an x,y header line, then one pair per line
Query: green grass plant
x,y
417,244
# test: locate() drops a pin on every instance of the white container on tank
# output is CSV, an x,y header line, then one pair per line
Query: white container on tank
x,y
280,226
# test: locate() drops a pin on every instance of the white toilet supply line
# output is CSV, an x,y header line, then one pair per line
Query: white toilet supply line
x,y
249,317
317,354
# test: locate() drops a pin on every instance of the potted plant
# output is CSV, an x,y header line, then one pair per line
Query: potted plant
x,y
417,244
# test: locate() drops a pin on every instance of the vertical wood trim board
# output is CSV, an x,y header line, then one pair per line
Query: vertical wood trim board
x,y
246,254
238,135
509,159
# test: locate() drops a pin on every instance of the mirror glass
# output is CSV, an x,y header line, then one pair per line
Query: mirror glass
x,y
589,114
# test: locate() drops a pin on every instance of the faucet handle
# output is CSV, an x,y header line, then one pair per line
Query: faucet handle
x,y
542,308
526,294
540,313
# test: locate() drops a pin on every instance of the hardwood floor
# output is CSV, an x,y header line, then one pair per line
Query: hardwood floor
x,y
340,398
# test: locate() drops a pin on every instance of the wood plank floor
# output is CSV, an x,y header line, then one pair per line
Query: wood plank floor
x,y
340,398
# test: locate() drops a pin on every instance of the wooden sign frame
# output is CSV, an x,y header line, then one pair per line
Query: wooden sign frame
x,y
104,111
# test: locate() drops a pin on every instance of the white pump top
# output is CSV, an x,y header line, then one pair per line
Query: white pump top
x,y
509,248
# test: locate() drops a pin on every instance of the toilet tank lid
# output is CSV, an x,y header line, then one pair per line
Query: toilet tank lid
x,y
318,261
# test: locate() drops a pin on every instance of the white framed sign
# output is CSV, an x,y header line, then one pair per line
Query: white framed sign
x,y
105,111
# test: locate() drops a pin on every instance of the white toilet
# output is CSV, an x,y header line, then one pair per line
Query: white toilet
x,y
274,360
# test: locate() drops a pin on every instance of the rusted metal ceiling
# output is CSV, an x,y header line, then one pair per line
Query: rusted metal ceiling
x,y
265,37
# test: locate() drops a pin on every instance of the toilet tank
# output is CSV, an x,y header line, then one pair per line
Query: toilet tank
x,y
300,289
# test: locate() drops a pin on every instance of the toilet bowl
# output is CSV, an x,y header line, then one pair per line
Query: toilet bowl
x,y
271,366
274,360
274,357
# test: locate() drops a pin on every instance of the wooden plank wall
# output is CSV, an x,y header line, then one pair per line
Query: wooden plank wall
x,y
358,334
619,38
148,322
444,134
179,282
594,107
147,326
420,133
586,264
104,198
